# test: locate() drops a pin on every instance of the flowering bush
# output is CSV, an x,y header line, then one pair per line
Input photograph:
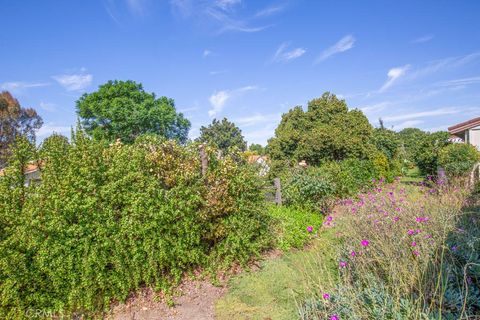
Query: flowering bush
x,y
406,254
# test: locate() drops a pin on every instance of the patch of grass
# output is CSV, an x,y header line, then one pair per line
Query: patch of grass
x,y
291,226
272,292
413,175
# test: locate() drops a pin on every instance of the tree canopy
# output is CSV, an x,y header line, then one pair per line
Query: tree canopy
x,y
328,130
224,135
257,149
123,110
15,121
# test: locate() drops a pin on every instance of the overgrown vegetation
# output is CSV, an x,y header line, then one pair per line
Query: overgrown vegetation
x,y
106,220
403,260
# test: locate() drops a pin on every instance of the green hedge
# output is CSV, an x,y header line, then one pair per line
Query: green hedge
x,y
317,188
106,220
458,159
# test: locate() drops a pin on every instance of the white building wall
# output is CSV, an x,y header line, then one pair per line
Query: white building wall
x,y
474,137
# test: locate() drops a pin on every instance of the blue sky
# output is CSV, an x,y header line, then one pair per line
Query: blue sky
x,y
412,63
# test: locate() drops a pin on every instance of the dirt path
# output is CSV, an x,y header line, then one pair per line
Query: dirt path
x,y
196,301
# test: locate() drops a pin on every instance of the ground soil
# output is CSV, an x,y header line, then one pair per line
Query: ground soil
x,y
193,300
196,300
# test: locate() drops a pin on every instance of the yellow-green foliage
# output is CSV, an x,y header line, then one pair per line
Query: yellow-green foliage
x,y
106,220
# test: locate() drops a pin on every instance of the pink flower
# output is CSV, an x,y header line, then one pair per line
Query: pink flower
x,y
365,243
416,253
342,264
411,232
326,296
353,253
414,244
309,228
334,317
329,218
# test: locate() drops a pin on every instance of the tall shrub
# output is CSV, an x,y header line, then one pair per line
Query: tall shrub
x,y
106,220
458,159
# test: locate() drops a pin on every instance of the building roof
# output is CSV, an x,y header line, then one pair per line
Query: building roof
x,y
29,168
464,125
255,158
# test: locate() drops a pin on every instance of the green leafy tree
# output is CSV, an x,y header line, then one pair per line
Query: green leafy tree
x,y
386,141
426,154
224,135
410,141
123,110
326,131
15,121
257,148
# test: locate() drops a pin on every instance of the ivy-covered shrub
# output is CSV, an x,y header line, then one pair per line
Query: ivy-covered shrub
x,y
308,189
106,220
458,159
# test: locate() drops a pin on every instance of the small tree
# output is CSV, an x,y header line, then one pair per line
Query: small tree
x,y
123,110
426,153
326,131
15,121
224,135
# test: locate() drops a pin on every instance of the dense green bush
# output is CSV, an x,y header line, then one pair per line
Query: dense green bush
x,y
426,156
106,220
317,188
292,226
308,189
458,159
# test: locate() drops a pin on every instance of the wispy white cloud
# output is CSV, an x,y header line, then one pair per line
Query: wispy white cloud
x,y
50,107
217,72
223,13
344,44
284,55
20,86
227,4
444,64
219,98
423,39
137,7
459,82
408,124
206,53
393,75
74,82
257,119
268,11
422,114
50,128
375,107
260,135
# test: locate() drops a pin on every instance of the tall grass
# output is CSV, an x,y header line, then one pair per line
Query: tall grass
x,y
406,253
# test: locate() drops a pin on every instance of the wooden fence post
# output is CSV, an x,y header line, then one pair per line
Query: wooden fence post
x,y
203,159
278,191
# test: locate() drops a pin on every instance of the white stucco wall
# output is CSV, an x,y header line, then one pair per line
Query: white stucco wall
x,y
474,137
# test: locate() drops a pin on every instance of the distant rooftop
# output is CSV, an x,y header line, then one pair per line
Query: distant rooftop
x,y
464,125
